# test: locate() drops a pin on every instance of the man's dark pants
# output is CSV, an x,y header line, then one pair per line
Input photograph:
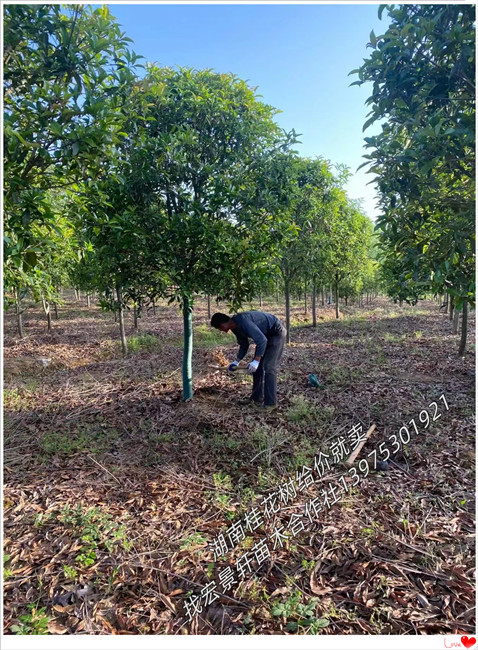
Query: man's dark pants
x,y
264,383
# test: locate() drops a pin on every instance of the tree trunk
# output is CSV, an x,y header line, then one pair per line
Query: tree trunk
x,y
135,317
154,308
337,297
209,307
188,350
346,301
323,296
400,302
277,292
88,304
446,303
305,298
260,300
287,308
452,307
464,330
119,295
56,310
456,318
46,309
21,331
76,295
314,301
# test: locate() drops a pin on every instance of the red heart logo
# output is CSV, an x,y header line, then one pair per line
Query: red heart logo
x,y
468,642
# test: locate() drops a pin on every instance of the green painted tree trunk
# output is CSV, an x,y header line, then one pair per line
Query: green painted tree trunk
x,y
188,350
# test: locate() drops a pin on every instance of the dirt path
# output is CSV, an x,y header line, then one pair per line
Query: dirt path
x,y
114,489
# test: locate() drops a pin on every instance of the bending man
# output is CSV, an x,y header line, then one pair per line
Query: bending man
x,y
269,334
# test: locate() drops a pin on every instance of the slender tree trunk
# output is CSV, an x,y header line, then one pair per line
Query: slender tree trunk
x,y
456,318
346,301
337,297
124,344
135,317
287,308
277,292
260,300
314,302
452,307
447,302
322,290
209,307
305,297
56,310
46,309
400,302
188,350
19,310
464,330
88,304
154,308
76,295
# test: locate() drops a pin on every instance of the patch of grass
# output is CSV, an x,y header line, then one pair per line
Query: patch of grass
x,y
266,441
394,338
302,410
304,452
96,530
86,438
140,342
418,334
208,337
36,622
340,375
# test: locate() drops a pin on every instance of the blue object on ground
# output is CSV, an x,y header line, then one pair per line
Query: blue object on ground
x,y
314,381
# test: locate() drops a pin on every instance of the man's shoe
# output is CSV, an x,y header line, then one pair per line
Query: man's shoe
x,y
265,407
248,401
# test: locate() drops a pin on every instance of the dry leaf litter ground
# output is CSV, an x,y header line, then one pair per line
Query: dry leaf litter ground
x,y
114,488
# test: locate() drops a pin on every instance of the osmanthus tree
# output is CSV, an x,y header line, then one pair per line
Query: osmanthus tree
x,y
311,183
65,70
188,207
423,74
347,236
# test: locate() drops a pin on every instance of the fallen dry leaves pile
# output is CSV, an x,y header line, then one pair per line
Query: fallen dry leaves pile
x,y
114,487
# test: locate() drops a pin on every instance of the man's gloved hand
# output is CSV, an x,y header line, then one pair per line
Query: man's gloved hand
x,y
233,366
252,366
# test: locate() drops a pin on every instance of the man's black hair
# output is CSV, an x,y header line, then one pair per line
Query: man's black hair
x,y
218,319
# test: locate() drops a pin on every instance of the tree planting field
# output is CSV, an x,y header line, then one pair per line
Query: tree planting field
x,y
115,488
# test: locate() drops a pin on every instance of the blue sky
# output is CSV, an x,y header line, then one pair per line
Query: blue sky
x,y
299,56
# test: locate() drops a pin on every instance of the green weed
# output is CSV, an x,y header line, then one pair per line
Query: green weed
x,y
192,542
298,614
36,622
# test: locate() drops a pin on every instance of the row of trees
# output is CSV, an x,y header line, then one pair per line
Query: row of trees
x,y
423,74
172,184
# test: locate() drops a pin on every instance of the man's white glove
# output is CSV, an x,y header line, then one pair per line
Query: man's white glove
x,y
233,366
252,366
